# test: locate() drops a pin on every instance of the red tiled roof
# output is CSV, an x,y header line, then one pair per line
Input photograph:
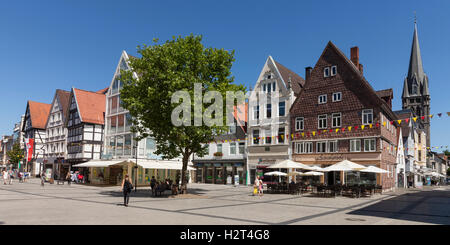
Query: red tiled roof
x,y
39,114
91,106
103,91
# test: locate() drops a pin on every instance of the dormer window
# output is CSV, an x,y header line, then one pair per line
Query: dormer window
x,y
333,71
326,72
269,76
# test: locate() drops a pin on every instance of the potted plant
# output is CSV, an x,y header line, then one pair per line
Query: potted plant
x,y
218,154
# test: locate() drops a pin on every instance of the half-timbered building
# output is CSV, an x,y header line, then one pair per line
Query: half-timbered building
x,y
85,123
36,115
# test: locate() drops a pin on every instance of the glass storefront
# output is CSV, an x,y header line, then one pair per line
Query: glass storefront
x,y
219,173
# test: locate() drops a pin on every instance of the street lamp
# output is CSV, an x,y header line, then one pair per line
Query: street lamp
x,y
135,168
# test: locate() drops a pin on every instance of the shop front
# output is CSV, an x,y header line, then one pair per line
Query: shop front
x,y
112,172
220,172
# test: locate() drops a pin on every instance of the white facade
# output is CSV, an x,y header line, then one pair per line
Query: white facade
x,y
119,140
268,117
55,145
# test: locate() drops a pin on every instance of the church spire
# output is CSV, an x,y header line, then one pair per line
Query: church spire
x,y
415,61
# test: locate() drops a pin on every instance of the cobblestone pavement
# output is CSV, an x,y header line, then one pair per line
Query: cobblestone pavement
x,y
29,203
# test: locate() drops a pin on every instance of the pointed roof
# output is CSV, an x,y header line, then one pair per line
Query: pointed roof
x,y
91,106
405,89
415,61
103,91
38,113
358,82
297,81
64,99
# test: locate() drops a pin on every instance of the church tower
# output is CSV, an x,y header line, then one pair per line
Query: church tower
x,y
416,95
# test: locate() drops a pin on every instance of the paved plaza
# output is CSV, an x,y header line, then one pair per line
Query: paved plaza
x,y
29,203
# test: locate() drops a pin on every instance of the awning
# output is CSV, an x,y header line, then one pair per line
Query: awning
x,y
161,164
100,163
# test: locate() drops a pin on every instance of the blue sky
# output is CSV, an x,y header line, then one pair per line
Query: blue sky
x,y
47,45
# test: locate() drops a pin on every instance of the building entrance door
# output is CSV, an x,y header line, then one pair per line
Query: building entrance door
x,y
199,175
209,175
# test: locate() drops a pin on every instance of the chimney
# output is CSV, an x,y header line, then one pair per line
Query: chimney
x,y
308,71
354,57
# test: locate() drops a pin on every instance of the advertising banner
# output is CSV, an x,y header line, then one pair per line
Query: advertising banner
x,y
30,146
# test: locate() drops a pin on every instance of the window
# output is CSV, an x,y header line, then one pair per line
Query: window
x,y
322,99
332,146
269,88
321,147
337,96
256,137
274,86
336,118
303,147
367,116
232,129
281,108
414,88
333,71
233,148
369,145
281,135
269,111
420,155
268,137
264,87
241,148
299,123
326,72
355,145
322,121
219,147
256,112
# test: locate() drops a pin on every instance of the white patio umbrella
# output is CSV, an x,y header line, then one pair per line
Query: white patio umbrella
x,y
345,166
289,164
276,173
312,173
316,168
373,169
293,173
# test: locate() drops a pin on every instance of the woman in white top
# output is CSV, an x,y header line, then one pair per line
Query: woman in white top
x,y
5,176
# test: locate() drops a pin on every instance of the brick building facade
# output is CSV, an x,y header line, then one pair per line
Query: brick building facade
x,y
338,116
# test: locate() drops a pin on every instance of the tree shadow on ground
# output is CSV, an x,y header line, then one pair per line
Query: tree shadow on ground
x,y
424,206
147,193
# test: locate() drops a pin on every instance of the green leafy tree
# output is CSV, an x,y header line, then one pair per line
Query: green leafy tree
x,y
164,69
16,154
447,153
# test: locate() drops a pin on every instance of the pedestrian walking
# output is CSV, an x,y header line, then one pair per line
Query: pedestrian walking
x,y
69,177
42,178
20,175
153,185
11,176
126,189
261,185
5,176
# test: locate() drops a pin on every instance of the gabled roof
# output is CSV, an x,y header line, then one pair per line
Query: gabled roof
x,y
38,113
385,93
297,81
103,91
64,99
91,106
363,88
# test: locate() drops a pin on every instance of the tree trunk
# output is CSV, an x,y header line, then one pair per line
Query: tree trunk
x,y
183,174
